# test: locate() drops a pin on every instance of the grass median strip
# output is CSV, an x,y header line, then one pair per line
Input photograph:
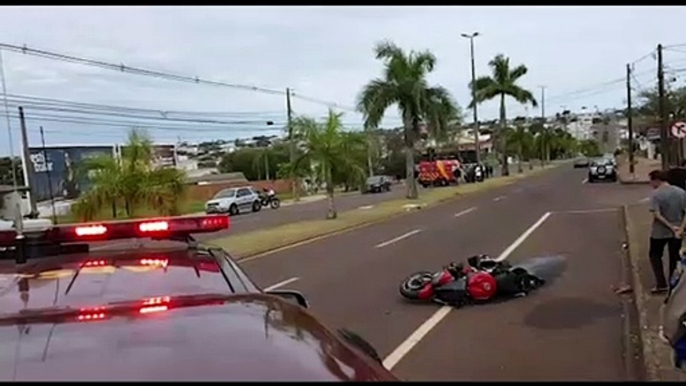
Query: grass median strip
x,y
253,243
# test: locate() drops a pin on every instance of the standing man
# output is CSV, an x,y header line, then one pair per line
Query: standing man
x,y
668,205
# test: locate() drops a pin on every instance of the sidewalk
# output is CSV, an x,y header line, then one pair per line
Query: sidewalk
x,y
657,356
642,166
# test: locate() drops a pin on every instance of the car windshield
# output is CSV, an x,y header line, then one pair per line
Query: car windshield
x,y
374,180
226,193
601,162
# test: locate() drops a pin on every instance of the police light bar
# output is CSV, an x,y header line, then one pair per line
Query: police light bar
x,y
161,228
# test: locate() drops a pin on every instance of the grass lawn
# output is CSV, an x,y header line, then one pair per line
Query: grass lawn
x,y
188,207
263,240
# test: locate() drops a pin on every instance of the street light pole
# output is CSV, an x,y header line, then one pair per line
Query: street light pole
x,y
477,148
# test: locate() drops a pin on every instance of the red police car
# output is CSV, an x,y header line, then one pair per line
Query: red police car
x,y
156,305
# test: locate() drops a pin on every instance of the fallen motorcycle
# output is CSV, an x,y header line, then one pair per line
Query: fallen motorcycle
x,y
481,280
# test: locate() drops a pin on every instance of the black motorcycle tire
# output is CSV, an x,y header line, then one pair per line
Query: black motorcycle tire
x,y
410,291
275,204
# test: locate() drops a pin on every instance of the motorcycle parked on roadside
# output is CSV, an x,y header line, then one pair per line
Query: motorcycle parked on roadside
x,y
267,199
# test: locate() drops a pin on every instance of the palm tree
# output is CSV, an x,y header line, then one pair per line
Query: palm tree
x,y
131,180
262,158
520,140
404,84
326,148
501,84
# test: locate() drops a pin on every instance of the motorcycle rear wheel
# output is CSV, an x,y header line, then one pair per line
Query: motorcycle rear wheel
x,y
413,284
275,204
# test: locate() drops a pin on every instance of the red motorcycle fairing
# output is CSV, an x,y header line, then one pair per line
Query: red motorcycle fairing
x,y
441,278
481,286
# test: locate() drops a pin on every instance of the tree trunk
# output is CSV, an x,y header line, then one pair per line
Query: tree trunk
x,y
503,143
332,213
114,209
127,206
519,160
266,167
410,180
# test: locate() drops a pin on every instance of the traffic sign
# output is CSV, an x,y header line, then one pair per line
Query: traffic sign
x,y
679,129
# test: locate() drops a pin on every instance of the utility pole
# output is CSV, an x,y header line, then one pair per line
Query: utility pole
x,y
664,136
629,122
477,147
45,157
28,165
291,143
546,150
13,164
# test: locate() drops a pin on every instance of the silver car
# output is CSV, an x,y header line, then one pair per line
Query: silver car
x,y
234,201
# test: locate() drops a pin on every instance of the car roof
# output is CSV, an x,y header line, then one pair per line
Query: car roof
x,y
215,335
134,271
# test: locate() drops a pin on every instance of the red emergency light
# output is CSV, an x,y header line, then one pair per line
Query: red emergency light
x,y
164,228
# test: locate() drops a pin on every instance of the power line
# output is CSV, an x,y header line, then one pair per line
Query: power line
x,y
26,99
129,124
157,74
140,117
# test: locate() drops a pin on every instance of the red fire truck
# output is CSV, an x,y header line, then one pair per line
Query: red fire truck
x,y
438,169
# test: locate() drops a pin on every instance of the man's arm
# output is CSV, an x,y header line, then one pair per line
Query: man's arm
x,y
655,209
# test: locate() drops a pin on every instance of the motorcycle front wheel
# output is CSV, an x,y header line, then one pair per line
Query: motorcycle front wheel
x,y
413,284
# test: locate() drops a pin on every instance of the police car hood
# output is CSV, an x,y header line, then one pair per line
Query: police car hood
x,y
245,337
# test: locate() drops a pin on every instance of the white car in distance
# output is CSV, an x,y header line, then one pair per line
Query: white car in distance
x,y
234,201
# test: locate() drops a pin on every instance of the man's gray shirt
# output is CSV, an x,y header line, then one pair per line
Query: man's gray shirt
x,y
670,202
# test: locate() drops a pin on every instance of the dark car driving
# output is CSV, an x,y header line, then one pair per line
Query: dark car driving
x,y
602,169
74,306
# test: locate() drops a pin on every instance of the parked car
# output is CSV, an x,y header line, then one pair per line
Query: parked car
x,y
234,201
581,163
602,169
377,184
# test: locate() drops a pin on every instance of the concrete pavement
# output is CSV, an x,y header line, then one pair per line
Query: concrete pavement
x,y
571,330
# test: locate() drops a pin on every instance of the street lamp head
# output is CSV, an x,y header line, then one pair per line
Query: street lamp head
x,y
468,36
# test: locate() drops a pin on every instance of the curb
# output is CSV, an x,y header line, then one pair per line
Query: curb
x,y
632,182
256,255
634,349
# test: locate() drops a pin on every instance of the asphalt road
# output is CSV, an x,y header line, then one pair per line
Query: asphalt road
x,y
315,210
570,330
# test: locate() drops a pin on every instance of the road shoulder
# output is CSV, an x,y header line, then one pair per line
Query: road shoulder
x,y
656,355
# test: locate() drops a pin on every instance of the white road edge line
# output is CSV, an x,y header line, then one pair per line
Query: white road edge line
x,y
458,214
587,211
499,198
523,237
644,200
395,240
397,355
281,284
585,180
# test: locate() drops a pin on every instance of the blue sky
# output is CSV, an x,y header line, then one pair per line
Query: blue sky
x,y
322,52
